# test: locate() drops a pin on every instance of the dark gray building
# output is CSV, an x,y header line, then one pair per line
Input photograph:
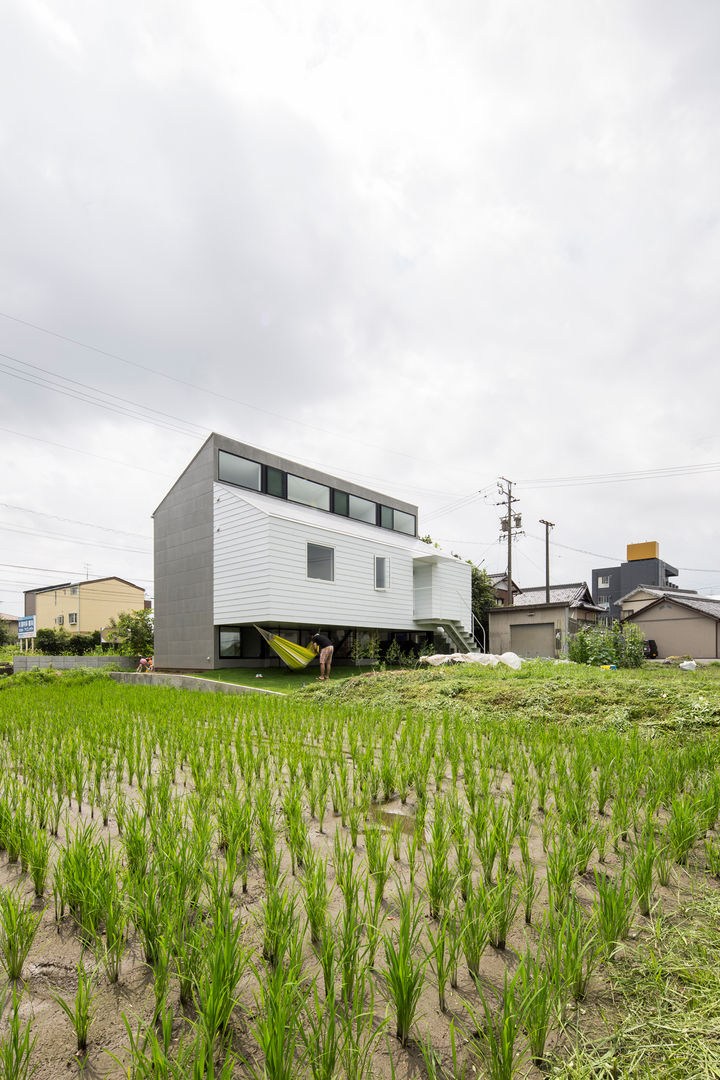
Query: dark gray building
x,y
642,567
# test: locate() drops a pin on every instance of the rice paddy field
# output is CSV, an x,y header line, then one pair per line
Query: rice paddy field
x,y
442,874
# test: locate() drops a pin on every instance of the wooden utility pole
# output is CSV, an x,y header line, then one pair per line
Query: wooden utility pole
x,y
548,526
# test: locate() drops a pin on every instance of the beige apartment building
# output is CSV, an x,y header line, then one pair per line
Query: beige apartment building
x,y
81,607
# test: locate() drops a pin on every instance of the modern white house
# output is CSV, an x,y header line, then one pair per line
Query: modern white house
x,y
245,537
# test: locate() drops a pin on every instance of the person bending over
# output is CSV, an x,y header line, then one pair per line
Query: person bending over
x,y
322,644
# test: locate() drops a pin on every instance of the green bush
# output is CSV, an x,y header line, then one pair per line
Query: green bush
x,y
598,645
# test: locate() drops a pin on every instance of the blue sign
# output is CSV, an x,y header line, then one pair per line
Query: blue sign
x,y
26,626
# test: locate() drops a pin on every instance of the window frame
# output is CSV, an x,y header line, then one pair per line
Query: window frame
x,y
323,547
386,560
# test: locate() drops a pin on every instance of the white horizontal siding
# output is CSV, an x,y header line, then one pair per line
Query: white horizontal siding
x,y
260,571
351,599
452,591
443,590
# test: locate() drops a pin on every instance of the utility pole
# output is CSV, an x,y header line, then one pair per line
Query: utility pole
x,y
512,520
548,526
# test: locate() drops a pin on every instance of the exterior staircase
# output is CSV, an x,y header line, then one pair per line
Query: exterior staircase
x,y
454,633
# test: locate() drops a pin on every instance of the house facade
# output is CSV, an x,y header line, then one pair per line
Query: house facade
x,y
680,625
82,607
532,627
245,537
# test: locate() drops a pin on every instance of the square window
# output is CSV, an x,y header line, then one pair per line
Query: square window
x,y
382,572
72,617
320,562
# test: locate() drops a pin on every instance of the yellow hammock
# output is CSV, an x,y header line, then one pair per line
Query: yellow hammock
x,y
294,655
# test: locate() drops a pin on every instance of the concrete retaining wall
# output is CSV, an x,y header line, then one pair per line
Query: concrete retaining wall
x,y
67,663
187,682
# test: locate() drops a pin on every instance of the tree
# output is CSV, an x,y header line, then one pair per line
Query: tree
x,y
483,592
132,633
6,634
52,642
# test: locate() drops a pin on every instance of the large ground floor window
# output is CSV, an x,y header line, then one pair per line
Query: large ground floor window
x,y
245,645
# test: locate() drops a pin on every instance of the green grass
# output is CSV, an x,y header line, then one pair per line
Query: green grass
x,y
651,697
283,679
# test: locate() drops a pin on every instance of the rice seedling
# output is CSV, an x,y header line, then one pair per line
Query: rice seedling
x,y
560,873
495,1034
18,926
316,894
279,921
569,947
148,913
439,878
683,829
499,904
529,889
642,866
110,950
396,836
79,1012
438,955
327,955
222,969
537,992
38,856
321,1037
405,972
359,1036
296,829
712,855
349,941
612,908
16,1046
189,946
277,1029
474,931
504,830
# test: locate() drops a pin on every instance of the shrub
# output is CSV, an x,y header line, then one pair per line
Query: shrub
x,y
597,645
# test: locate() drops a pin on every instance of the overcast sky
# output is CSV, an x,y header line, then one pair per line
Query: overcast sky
x,y
418,244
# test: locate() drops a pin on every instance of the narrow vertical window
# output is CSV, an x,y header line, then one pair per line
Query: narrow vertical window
x,y
382,572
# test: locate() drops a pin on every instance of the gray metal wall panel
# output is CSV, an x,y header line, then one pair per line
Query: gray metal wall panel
x,y
184,634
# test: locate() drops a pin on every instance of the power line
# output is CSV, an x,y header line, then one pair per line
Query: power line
x,y
50,570
666,472
85,392
74,521
206,390
87,453
76,540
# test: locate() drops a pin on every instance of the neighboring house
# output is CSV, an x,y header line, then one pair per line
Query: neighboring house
x,y
645,594
499,583
532,627
643,567
681,624
81,607
11,621
245,537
